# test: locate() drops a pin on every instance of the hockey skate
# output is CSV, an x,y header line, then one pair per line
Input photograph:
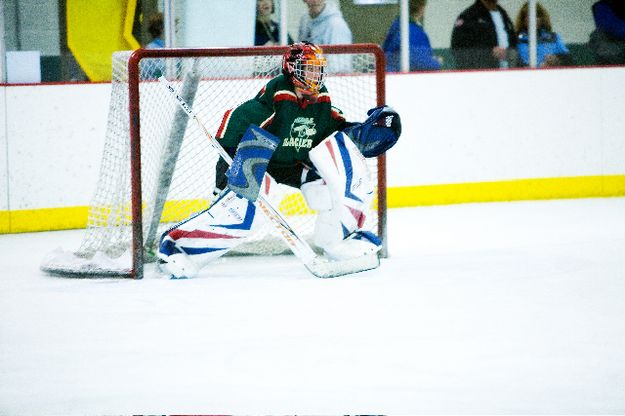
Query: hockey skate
x,y
357,244
177,264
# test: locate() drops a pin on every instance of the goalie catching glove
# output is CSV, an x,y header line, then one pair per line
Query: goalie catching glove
x,y
378,133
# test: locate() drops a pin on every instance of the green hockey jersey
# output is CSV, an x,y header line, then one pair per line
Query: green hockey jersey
x,y
300,125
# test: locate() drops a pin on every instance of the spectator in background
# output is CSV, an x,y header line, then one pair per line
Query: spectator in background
x,y
155,28
152,68
607,41
483,37
324,25
550,49
420,50
267,30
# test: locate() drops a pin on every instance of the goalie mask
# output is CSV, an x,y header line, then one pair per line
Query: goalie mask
x,y
305,66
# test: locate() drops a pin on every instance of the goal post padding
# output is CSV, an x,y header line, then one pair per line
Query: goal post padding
x,y
158,169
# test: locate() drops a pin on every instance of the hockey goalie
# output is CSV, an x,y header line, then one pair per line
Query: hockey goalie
x,y
291,134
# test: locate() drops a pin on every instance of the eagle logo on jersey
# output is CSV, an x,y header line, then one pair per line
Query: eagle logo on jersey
x,y
302,131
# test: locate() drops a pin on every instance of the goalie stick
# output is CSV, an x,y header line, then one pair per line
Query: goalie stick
x,y
317,265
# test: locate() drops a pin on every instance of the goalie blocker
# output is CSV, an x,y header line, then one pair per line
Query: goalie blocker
x,y
340,196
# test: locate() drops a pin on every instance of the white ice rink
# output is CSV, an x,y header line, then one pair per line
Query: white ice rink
x,y
481,308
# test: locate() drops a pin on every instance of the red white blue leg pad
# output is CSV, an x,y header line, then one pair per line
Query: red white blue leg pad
x,y
341,198
191,244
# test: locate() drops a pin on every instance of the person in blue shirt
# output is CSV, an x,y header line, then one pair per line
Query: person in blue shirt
x,y
550,48
154,67
420,50
155,28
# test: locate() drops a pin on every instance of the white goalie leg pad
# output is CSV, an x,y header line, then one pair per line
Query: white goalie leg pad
x,y
328,230
317,195
348,186
195,242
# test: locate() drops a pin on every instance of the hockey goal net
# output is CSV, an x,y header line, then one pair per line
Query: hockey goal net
x,y
158,167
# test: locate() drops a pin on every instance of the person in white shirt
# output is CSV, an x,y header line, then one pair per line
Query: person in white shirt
x,y
324,25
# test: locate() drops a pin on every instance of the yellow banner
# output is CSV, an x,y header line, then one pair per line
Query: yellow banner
x,y
96,29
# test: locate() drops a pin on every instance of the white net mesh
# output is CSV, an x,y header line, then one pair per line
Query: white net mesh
x,y
177,162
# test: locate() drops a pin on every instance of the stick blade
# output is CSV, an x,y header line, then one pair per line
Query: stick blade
x,y
326,269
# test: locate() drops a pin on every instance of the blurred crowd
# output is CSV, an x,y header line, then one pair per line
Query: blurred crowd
x,y
484,35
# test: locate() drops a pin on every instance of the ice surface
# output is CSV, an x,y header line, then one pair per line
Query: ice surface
x,y
481,308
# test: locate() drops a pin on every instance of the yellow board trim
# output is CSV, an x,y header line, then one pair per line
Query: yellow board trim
x,y
46,219
5,222
513,190
49,219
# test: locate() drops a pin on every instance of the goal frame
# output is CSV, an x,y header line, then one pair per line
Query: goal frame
x,y
134,114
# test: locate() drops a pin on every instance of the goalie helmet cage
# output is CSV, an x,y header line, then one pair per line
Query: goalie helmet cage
x,y
158,169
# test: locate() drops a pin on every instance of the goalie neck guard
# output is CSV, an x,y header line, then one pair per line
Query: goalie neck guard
x,y
305,66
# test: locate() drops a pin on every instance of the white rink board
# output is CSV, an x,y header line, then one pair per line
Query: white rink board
x,y
4,163
458,127
56,135
489,126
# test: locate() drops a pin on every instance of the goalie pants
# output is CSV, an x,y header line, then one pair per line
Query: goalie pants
x,y
293,176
